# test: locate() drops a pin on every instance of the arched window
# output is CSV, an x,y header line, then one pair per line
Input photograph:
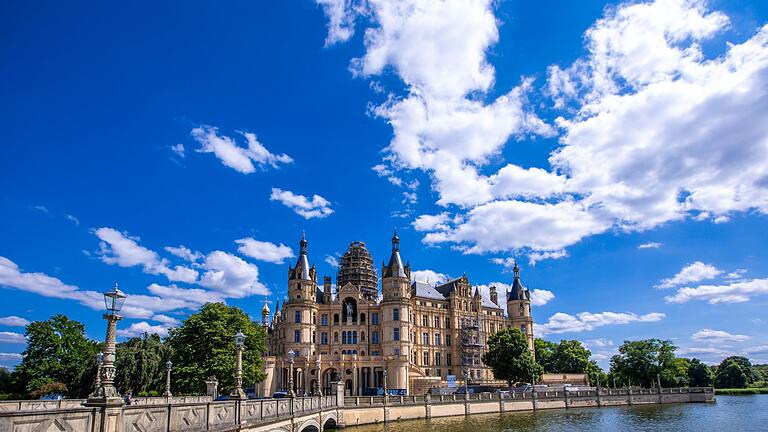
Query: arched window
x,y
354,351
343,338
336,336
362,318
362,336
343,352
336,319
314,318
354,337
362,353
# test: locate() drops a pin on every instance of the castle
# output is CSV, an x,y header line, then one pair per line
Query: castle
x,y
418,333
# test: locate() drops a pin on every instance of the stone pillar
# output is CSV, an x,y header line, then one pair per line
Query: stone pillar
x,y
533,397
599,400
565,396
339,403
629,395
428,405
212,387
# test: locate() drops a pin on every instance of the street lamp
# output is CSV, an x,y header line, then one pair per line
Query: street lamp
x,y
319,376
238,392
106,394
386,393
466,378
291,355
168,366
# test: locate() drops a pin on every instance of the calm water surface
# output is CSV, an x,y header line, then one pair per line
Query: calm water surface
x,y
729,413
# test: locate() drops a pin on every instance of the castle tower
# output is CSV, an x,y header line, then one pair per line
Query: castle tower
x,y
396,311
300,310
519,307
265,315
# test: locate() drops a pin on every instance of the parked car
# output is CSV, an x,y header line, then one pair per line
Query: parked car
x,y
280,395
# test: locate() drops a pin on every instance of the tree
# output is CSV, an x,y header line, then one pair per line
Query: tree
x,y
570,356
57,351
509,357
545,354
596,374
734,372
204,345
641,362
699,374
140,363
676,375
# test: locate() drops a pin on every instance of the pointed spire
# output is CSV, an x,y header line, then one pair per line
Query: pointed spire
x,y
516,269
477,292
301,271
303,244
395,242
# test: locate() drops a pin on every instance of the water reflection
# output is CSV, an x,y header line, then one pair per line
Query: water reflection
x,y
734,413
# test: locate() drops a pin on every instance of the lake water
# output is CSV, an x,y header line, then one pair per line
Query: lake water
x,y
729,413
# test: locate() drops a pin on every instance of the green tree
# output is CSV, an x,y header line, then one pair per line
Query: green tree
x,y
570,356
545,354
596,374
509,357
734,372
57,351
204,345
140,363
640,362
699,374
676,375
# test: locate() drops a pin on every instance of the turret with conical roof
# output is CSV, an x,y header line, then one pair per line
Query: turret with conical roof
x,y
519,307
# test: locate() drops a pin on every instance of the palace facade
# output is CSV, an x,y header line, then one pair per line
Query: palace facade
x,y
418,333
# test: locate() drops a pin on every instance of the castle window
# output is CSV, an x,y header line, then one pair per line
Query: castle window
x,y
354,337
336,319
425,359
447,340
447,322
362,336
425,338
437,339
375,318
336,337
424,321
314,318
324,319
396,333
362,318
297,316
437,322
375,337
313,337
522,328
448,359
324,338
343,338
396,351
343,352
297,336
396,314
438,359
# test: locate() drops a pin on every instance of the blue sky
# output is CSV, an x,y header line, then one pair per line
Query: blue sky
x,y
618,151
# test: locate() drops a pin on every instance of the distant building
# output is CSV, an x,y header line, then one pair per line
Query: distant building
x,y
417,332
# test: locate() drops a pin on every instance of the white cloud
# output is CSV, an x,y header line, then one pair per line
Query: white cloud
x,y
431,222
191,297
627,157
650,245
599,343
12,337
718,336
760,349
331,261
540,297
72,219
428,276
240,159
341,20
184,253
706,351
167,320
586,321
317,207
139,328
535,256
264,251
179,150
695,272
736,274
42,209
733,292
11,357
125,251
14,321
231,276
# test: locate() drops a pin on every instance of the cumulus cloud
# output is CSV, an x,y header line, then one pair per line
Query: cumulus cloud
x,y
341,20
431,222
429,276
537,256
12,337
264,251
184,253
733,292
142,327
586,321
331,261
231,276
650,245
695,272
125,251
14,321
540,297
317,207
627,158
718,336
11,357
240,159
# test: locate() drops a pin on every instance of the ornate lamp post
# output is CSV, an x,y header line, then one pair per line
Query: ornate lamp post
x,y
168,366
291,355
106,394
466,379
385,385
319,376
238,392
